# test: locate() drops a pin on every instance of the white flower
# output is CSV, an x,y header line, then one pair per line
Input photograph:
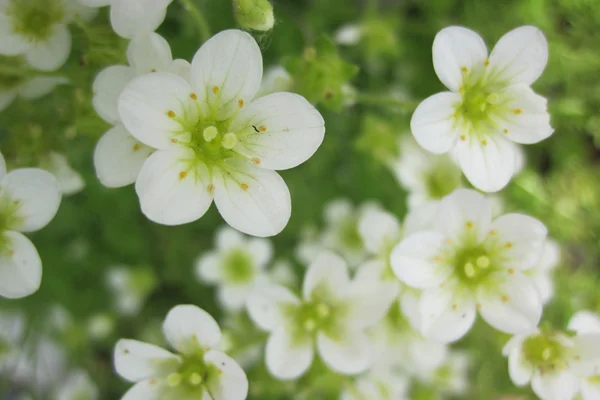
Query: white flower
x,y
235,266
276,79
378,385
452,377
77,386
214,142
28,88
38,30
468,262
584,323
38,364
332,314
282,273
29,199
198,371
542,272
490,105
129,287
132,17
69,180
100,326
349,35
118,156
553,362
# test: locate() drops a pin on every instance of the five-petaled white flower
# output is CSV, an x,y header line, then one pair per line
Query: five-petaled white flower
x,y
236,266
214,142
198,371
468,262
132,17
490,105
333,313
29,199
118,156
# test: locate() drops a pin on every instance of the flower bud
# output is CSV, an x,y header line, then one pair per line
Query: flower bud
x,y
254,14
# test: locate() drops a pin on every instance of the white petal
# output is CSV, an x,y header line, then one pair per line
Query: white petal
x,y
488,161
231,62
526,119
38,195
288,357
227,238
20,267
118,157
455,48
107,88
414,260
369,301
7,97
266,305
132,17
349,353
231,382
519,369
136,361
293,131
518,239
520,56
170,192
261,250
379,229
338,210
233,296
464,215
590,390
433,124
421,217
181,68
70,181
40,86
348,35
147,101
586,354
208,268
252,200
513,305
149,52
584,322
188,327
53,53
560,385
328,271
145,390
550,256
446,316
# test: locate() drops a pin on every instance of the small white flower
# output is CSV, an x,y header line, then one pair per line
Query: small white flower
x,y
77,386
198,371
100,326
129,287
235,266
490,105
214,142
349,35
584,323
118,156
69,180
132,17
276,79
28,88
332,314
378,385
469,262
29,199
38,30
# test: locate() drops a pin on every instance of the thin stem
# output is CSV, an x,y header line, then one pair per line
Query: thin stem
x,y
197,15
386,100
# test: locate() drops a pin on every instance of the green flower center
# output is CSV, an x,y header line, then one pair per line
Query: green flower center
x,y
545,352
472,265
238,266
191,377
34,18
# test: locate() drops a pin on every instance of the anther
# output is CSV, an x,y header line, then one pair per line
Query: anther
x,y
262,128
508,245
136,147
244,186
171,114
486,63
505,131
518,111
463,138
484,142
211,188
215,89
504,298
256,160
464,69
182,175
454,307
210,133
469,224
511,271
173,140
193,96
240,103
229,140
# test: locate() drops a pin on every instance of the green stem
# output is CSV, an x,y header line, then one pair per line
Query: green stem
x,y
386,100
197,15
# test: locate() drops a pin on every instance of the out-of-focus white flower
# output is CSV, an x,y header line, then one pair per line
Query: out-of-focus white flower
x,y
237,264
70,181
28,88
332,314
377,385
451,378
198,370
130,287
29,199
490,105
348,35
471,263
118,156
282,273
215,143
586,323
100,326
309,245
38,365
77,386
133,17
276,79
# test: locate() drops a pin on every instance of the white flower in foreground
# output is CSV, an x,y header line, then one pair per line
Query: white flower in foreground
x,y
77,386
583,323
29,199
469,262
490,105
132,17
38,30
377,385
118,157
214,142
198,370
27,88
235,266
69,180
553,362
332,314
